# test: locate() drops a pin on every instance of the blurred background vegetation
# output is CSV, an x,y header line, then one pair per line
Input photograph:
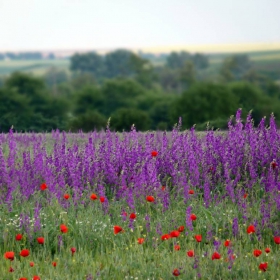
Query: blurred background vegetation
x,y
40,93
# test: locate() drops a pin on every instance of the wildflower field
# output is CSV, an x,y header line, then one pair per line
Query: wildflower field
x,y
155,205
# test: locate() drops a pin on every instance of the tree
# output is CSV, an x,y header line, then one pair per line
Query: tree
x,y
235,67
89,62
120,93
90,98
187,75
124,118
88,121
177,60
204,102
200,61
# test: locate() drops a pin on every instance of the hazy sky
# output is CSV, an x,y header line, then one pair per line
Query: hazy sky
x,y
98,24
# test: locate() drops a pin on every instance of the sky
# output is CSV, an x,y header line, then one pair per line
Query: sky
x,y
109,24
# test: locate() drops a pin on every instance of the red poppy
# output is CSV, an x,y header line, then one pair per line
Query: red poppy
x,y
154,153
263,266
176,272
102,199
43,186
24,253
267,250
132,216
140,240
245,195
181,228
257,253
190,253
41,240
63,228
277,239
36,277
9,255
150,198
174,233
193,217
18,237
54,264
163,188
93,196
67,196
251,229
216,256
273,164
31,264
177,247
165,237
73,250
227,243
191,191
11,269
198,237
117,229
23,278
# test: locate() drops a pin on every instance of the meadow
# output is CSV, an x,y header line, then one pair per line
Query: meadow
x,y
154,205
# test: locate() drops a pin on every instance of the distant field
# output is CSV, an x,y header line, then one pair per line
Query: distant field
x,y
37,67
264,61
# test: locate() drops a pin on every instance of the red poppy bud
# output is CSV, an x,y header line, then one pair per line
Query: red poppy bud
x,y
31,264
181,228
257,253
227,243
117,229
177,247
263,267
67,196
251,229
11,269
63,228
54,264
198,237
36,277
190,253
193,217
140,240
102,199
176,272
41,240
93,196
277,239
165,237
43,186
154,153
174,233
150,198
267,250
73,250
24,253
216,256
132,216
18,237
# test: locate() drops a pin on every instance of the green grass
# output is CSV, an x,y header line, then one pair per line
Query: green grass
x,y
104,255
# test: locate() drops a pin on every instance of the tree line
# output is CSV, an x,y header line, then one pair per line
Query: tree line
x,y
128,89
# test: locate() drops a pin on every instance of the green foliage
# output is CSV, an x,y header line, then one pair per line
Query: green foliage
x,y
203,103
235,67
89,62
89,121
90,98
124,118
120,93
